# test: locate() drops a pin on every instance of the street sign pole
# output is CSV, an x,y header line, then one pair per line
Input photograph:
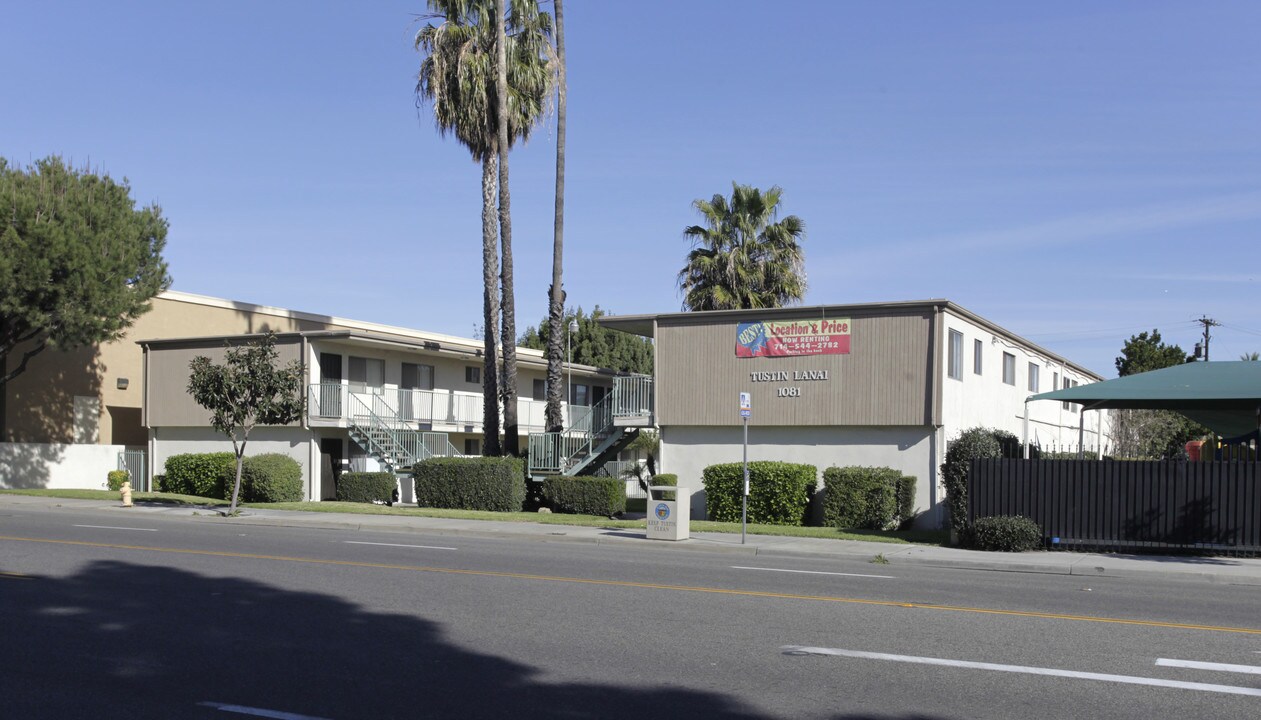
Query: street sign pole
x,y
746,409
744,504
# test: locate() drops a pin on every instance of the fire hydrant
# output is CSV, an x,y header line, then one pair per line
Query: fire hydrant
x,y
126,491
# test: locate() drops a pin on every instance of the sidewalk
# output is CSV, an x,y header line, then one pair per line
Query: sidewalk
x,y
1242,571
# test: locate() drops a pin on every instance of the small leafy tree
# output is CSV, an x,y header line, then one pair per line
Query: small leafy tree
x,y
246,391
977,442
1157,434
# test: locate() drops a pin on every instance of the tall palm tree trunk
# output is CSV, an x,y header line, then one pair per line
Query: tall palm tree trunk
x,y
490,310
509,336
556,294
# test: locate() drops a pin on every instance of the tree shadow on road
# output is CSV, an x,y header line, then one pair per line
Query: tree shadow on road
x,y
136,641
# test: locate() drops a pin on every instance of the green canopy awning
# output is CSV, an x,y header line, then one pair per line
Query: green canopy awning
x,y
1223,396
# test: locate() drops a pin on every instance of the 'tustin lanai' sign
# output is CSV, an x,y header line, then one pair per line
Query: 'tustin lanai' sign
x,y
792,337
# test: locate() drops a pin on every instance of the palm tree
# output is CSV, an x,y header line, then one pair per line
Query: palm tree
x,y
743,258
556,293
459,76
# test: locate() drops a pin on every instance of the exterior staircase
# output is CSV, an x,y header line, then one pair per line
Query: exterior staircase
x,y
375,426
595,435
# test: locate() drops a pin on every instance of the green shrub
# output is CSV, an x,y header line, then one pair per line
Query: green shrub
x,y
904,491
585,495
973,443
365,487
860,497
116,478
473,483
199,474
159,483
266,478
1005,533
666,479
779,492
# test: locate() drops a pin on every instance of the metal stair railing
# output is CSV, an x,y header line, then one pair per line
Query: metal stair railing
x,y
578,444
632,396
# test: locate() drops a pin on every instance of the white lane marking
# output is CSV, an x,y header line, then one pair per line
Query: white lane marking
x,y
422,547
1104,677
260,712
1197,665
111,527
813,572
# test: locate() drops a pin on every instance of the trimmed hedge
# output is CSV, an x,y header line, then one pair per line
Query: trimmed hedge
x,y
199,474
116,478
779,492
1005,533
860,497
365,487
266,478
904,491
585,495
976,442
666,479
496,484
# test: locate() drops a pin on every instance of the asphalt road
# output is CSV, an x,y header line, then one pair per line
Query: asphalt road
x,y
147,616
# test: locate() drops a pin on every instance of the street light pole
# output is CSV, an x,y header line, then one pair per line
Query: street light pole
x,y
569,350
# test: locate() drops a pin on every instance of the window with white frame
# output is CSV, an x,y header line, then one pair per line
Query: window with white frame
x,y
473,374
977,346
1009,368
1033,377
540,390
472,446
1072,407
1067,405
954,364
367,375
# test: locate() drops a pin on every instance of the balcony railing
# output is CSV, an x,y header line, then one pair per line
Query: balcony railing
x,y
329,401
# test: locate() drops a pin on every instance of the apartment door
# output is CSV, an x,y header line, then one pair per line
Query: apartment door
x,y
332,459
330,397
414,402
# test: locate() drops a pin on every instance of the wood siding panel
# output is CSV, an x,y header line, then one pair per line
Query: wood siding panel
x,y
170,405
884,380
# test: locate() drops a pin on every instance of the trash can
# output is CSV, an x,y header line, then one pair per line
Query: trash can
x,y
669,519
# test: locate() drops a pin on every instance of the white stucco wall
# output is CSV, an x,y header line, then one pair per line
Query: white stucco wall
x,y
56,465
687,450
985,400
294,442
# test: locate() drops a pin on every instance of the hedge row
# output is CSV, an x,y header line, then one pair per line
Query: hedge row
x,y
473,483
270,477
585,495
116,478
366,487
200,474
779,492
1005,533
877,498
665,479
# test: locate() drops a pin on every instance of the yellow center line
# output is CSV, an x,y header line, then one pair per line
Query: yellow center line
x,y
652,586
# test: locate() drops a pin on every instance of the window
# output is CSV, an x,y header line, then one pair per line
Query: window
x,y
540,389
473,374
417,377
954,366
976,356
1055,381
367,375
472,446
1033,377
1009,368
1070,384
580,394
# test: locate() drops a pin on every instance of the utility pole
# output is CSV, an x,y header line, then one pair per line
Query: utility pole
x,y
1208,322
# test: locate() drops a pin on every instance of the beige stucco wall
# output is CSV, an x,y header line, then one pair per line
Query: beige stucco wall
x,y
169,403
884,380
39,407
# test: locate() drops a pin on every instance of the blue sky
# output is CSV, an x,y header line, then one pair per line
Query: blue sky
x,y
1076,171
